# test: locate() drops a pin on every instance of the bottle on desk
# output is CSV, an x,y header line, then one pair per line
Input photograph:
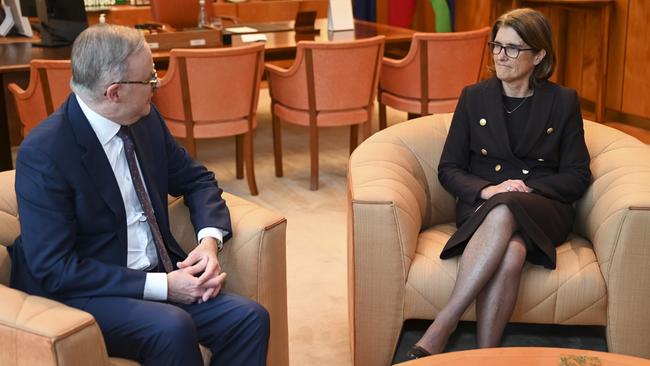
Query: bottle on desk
x,y
203,16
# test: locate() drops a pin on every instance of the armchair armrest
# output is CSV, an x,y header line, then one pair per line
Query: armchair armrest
x,y
614,214
393,193
255,260
38,331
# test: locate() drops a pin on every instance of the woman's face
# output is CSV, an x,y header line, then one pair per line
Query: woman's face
x,y
519,69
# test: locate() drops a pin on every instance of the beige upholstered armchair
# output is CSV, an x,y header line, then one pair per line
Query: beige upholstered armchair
x,y
38,331
400,217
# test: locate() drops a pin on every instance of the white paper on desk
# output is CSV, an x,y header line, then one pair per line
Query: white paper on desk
x,y
241,30
339,15
246,38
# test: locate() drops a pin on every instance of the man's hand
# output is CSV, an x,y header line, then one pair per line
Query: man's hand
x,y
510,185
203,259
183,287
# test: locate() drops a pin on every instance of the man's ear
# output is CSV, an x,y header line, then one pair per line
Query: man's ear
x,y
112,93
539,56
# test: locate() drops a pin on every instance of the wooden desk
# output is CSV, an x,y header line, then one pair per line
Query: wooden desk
x,y
15,58
605,9
535,356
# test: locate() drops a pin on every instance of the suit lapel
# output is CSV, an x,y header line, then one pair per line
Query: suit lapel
x,y
94,159
493,100
540,110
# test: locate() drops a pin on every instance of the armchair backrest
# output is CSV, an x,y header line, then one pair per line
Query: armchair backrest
x,y
617,160
9,225
438,65
49,86
336,75
212,87
179,13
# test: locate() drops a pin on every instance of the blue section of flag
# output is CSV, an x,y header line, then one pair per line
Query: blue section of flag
x,y
365,10
452,13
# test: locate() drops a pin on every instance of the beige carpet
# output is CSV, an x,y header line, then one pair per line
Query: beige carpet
x,y
316,230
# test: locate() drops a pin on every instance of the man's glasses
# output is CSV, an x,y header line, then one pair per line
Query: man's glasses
x,y
511,51
154,82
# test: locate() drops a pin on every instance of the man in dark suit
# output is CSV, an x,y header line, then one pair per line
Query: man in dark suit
x,y
92,183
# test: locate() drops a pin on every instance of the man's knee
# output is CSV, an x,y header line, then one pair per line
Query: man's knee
x,y
258,317
176,327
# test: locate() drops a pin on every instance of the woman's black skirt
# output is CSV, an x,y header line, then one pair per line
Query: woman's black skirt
x,y
542,222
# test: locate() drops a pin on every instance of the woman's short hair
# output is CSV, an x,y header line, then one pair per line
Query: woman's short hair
x,y
99,57
534,29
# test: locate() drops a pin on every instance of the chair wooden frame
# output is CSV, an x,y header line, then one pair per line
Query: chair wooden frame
x,y
420,50
306,48
244,150
39,83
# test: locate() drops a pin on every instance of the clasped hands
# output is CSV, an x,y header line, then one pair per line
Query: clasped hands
x,y
510,185
183,285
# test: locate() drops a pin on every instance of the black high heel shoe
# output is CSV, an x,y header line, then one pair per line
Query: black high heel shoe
x,y
417,352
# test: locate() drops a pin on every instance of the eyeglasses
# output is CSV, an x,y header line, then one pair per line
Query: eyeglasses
x,y
511,51
154,82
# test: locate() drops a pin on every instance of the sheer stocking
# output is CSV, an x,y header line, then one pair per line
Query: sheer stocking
x,y
496,302
480,260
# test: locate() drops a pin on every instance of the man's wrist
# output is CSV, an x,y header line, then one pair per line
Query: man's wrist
x,y
217,242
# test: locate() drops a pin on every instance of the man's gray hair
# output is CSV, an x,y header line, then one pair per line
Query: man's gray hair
x,y
99,57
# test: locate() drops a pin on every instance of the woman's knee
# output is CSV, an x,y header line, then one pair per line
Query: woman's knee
x,y
501,215
515,255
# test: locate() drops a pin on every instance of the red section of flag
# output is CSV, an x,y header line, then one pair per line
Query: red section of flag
x,y
400,12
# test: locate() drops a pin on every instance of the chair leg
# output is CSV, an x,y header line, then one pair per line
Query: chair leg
x,y
191,147
313,153
354,137
239,156
277,144
412,115
248,157
382,116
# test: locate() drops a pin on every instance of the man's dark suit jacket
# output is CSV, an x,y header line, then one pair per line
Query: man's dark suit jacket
x,y
552,158
73,242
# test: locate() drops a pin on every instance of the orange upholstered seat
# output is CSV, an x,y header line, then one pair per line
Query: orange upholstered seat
x,y
433,73
210,93
330,84
49,86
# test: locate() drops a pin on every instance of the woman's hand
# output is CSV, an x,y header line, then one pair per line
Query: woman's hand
x,y
510,185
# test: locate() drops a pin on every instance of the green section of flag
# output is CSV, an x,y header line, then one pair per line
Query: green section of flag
x,y
443,17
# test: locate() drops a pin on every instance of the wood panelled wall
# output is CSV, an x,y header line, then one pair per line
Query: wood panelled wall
x,y
628,81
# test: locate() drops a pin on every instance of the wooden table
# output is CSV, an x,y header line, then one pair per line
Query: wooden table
x,y
529,356
15,57
605,9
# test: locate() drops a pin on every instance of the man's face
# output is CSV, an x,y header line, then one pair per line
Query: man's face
x,y
136,98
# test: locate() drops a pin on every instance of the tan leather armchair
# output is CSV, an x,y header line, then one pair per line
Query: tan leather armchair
x,y
400,217
38,331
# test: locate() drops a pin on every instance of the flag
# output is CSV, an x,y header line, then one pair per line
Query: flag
x,y
442,14
365,10
400,12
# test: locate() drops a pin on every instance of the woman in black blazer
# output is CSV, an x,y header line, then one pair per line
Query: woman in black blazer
x,y
516,159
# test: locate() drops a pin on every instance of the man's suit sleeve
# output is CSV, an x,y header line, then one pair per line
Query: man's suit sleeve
x,y
453,170
46,205
573,176
199,187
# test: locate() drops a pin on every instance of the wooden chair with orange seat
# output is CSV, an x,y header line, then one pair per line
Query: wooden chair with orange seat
x,y
49,86
210,93
433,73
179,14
330,84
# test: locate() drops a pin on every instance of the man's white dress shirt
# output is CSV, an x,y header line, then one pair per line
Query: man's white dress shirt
x,y
141,247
